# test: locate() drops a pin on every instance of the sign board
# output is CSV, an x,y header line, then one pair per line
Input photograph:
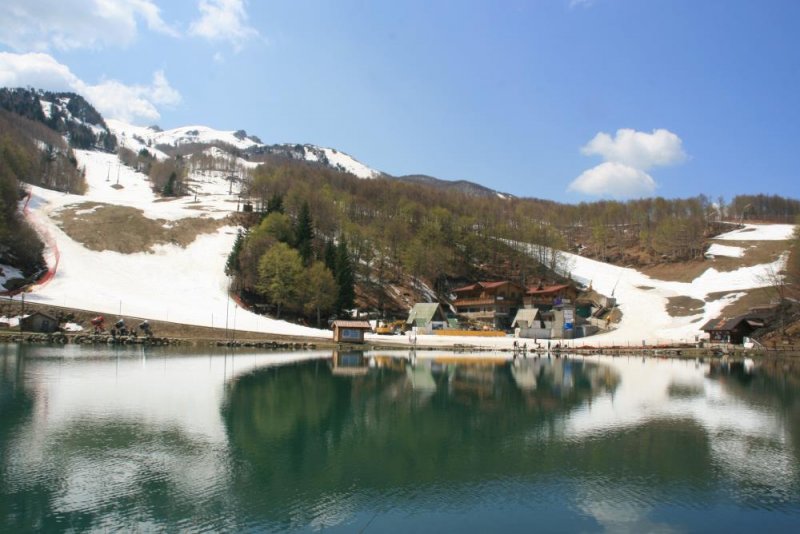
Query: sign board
x,y
350,334
569,319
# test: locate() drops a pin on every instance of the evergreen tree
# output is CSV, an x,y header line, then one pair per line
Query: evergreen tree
x,y
169,187
345,277
232,266
304,234
329,256
275,204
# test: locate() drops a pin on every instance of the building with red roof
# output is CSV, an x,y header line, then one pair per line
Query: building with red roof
x,y
491,303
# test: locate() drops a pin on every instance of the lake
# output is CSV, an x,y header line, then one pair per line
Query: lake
x,y
130,438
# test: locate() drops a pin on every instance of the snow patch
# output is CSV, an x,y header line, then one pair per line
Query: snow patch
x,y
349,164
47,108
725,250
760,232
7,273
185,285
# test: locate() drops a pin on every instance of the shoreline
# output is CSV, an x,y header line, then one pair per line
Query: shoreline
x,y
269,342
171,333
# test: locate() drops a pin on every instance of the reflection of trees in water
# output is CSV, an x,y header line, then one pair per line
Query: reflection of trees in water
x,y
16,407
305,429
96,473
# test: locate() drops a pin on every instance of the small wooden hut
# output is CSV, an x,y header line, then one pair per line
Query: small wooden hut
x,y
350,331
39,322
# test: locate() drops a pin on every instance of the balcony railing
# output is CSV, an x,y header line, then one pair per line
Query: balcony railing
x,y
475,302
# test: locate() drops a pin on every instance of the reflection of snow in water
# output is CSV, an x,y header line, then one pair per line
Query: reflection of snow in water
x,y
617,511
175,403
159,399
749,443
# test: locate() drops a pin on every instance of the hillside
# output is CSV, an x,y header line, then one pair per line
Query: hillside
x,y
154,230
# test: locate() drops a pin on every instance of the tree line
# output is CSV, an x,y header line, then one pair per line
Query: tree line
x,y
281,263
395,230
69,114
20,246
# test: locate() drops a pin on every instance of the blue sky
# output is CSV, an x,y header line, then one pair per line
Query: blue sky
x,y
559,99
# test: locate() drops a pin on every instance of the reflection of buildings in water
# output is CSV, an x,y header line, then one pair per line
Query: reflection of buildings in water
x,y
420,377
525,373
349,363
479,381
562,377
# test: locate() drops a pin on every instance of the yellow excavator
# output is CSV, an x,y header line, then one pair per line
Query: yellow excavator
x,y
388,329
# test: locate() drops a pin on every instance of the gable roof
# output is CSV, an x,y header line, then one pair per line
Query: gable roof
x,y
728,324
485,285
546,290
352,324
423,311
43,314
527,315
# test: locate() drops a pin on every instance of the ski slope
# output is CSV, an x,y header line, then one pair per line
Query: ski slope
x,y
170,283
188,285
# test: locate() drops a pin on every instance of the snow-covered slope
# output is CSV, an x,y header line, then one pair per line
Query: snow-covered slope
x,y
760,232
643,300
138,137
152,137
186,285
346,163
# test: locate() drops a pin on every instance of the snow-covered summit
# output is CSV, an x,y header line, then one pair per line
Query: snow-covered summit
x,y
138,137
153,137
330,157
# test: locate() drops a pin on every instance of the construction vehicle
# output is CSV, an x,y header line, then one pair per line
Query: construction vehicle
x,y
389,329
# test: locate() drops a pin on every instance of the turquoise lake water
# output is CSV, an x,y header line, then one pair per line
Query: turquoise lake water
x,y
163,440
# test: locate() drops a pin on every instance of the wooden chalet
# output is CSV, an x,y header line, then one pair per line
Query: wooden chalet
x,y
427,317
39,322
492,303
545,297
733,330
350,331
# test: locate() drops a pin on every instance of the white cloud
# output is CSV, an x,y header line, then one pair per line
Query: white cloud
x,y
580,3
223,20
613,179
628,155
113,99
638,149
41,25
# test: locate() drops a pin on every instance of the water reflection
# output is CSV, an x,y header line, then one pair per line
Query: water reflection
x,y
394,441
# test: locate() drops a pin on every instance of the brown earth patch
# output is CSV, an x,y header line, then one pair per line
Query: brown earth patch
x,y
761,296
684,306
124,229
756,253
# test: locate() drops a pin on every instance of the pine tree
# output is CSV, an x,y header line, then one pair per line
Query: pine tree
x,y
232,266
345,278
275,204
329,256
169,187
304,234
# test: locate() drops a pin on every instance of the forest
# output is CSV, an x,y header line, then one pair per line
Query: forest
x,y
21,161
69,114
416,236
